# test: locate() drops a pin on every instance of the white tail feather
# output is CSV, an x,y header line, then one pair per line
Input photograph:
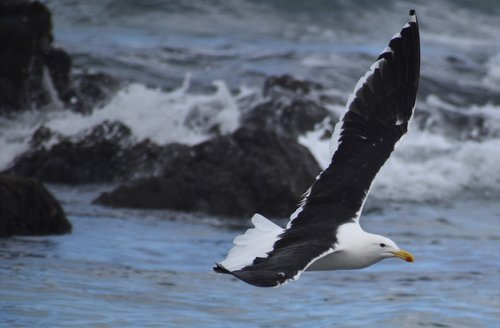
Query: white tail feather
x,y
256,242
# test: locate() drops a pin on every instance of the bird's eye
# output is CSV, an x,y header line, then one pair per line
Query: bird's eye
x,y
382,245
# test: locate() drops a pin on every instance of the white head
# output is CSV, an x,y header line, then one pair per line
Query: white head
x,y
358,248
380,247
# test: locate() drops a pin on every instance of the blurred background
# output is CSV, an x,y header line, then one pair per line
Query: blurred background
x,y
139,115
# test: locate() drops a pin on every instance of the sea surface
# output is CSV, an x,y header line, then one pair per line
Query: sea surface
x,y
438,196
130,268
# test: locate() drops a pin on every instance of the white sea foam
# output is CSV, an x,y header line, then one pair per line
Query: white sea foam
x,y
163,117
425,166
428,166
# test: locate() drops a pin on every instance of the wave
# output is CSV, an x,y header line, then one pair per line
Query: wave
x,y
429,165
178,116
153,41
162,117
452,145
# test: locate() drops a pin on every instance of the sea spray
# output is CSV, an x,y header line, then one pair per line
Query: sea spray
x,y
162,117
427,166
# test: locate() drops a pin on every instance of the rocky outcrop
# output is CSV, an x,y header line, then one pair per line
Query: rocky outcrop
x,y
28,208
106,153
259,168
92,90
246,172
456,94
455,124
109,152
33,73
292,107
289,87
288,119
25,36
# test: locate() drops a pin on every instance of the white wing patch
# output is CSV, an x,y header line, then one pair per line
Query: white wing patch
x,y
255,242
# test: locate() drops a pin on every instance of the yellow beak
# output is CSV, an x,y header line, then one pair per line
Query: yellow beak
x,y
404,255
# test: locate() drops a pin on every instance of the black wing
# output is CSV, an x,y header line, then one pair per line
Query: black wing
x,y
378,114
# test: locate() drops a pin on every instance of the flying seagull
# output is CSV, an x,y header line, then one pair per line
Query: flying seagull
x,y
324,232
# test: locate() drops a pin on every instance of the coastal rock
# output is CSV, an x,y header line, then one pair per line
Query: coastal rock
x,y
91,90
33,73
288,86
248,171
292,107
28,208
106,153
292,120
455,124
456,94
25,34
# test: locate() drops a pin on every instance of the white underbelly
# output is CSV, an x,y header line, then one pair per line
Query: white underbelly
x,y
340,260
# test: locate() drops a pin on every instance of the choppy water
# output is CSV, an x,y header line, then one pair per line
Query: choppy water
x,y
241,41
228,48
125,268
437,196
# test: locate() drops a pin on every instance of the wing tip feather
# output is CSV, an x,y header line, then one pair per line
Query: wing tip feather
x,y
219,268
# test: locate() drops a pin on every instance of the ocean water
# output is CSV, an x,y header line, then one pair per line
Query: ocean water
x,y
193,65
131,268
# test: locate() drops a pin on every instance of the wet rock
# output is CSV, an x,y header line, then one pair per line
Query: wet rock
x,y
248,171
292,107
25,38
41,136
286,85
458,125
92,90
90,158
457,94
106,153
28,208
290,120
33,73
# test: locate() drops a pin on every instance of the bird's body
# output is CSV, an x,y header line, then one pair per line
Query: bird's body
x,y
353,250
324,233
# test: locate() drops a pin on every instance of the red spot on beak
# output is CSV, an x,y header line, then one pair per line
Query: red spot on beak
x,y
409,259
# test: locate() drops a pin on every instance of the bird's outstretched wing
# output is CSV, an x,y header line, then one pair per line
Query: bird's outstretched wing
x,y
378,114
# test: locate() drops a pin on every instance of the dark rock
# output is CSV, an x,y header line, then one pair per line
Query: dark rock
x,y
292,107
32,72
277,86
92,90
90,158
457,94
294,119
68,162
41,136
114,132
236,175
25,36
28,208
458,125
106,153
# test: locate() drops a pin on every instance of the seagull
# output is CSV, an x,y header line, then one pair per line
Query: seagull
x,y
324,233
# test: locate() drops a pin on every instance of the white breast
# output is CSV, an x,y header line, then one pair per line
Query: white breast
x,y
352,250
